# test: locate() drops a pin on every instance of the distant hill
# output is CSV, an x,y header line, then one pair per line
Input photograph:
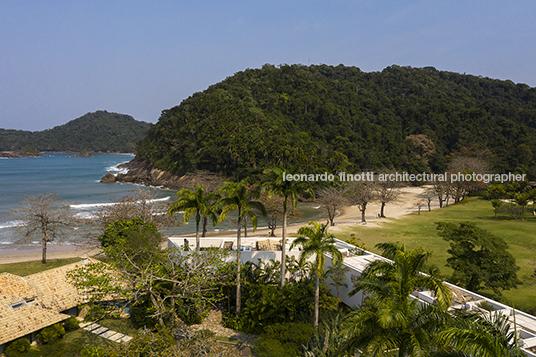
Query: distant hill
x,y
325,118
94,132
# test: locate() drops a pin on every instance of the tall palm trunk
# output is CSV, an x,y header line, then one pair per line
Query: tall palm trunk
x,y
317,299
401,351
283,243
205,224
197,240
238,263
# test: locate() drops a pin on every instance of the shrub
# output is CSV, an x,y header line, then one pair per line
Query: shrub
x,y
283,340
270,304
71,324
139,314
484,305
17,348
99,311
270,347
91,352
51,333
231,321
297,333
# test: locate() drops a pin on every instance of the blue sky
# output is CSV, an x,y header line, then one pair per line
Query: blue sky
x,y
62,59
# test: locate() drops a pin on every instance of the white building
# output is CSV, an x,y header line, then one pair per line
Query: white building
x,y
253,248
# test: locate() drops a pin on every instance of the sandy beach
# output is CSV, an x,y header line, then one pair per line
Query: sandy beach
x,y
28,253
350,215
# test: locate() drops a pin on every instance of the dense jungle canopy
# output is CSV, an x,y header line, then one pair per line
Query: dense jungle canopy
x,y
325,118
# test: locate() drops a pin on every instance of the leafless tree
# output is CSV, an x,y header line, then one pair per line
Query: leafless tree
x,y
274,211
165,277
332,198
360,194
421,146
46,216
428,195
386,191
419,205
466,165
442,191
142,203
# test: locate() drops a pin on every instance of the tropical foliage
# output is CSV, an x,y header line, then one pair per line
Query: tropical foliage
x,y
267,303
276,184
391,321
480,335
324,118
240,199
479,259
196,202
316,241
163,285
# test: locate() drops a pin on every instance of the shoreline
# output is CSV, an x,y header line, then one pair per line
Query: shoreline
x,y
28,253
348,216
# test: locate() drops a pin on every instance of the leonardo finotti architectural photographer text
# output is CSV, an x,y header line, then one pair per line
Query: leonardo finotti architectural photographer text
x,y
370,176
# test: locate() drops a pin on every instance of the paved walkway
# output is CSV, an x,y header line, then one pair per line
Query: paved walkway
x,y
105,332
214,324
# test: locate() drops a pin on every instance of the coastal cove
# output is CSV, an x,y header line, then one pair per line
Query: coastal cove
x,y
76,180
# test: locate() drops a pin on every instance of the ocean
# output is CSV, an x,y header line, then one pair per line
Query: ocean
x,y
76,180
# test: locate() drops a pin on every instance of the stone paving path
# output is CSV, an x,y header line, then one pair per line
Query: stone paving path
x,y
105,332
213,323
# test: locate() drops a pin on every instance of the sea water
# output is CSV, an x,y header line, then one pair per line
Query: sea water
x,y
76,180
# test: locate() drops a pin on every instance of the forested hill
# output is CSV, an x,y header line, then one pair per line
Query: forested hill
x,y
94,132
324,118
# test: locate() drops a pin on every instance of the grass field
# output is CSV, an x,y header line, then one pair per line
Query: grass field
x,y
420,231
27,268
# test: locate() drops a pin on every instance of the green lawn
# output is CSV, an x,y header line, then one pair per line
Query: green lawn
x,y
420,231
27,268
70,345
75,341
125,326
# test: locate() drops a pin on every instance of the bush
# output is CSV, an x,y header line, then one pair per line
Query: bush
x,y
283,339
71,324
484,305
17,348
91,352
266,305
297,333
96,312
51,333
139,314
270,347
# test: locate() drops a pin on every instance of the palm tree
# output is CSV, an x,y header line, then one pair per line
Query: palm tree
x,y
276,184
316,241
480,335
391,322
241,200
195,202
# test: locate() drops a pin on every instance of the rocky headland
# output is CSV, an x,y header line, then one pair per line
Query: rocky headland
x,y
141,172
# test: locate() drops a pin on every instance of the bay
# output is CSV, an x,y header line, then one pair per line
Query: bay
x,y
76,180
